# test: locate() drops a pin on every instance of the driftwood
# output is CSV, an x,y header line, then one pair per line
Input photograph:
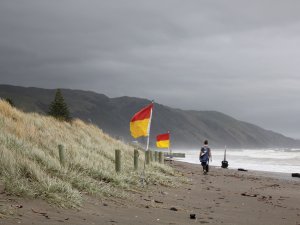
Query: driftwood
x,y
249,195
295,174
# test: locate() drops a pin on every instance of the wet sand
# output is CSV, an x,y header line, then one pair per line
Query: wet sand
x,y
223,196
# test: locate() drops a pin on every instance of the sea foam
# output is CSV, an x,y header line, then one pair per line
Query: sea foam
x,y
271,160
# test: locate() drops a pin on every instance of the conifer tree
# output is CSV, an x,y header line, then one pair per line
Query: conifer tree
x,y
10,101
58,108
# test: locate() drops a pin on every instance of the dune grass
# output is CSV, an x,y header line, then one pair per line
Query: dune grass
x,y
30,167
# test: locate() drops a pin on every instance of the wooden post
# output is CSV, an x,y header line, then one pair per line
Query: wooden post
x,y
118,160
147,157
136,159
151,155
160,156
61,154
156,156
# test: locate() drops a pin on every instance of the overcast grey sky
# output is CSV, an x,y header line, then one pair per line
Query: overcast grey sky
x,y
238,57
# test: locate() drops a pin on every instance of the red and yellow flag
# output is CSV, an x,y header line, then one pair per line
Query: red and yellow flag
x,y
139,123
163,140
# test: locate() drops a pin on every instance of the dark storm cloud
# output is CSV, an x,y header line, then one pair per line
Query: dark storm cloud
x,y
238,57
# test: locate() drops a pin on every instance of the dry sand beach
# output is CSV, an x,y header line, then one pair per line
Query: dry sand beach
x,y
223,196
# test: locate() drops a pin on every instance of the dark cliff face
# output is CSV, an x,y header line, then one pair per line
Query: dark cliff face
x,y
188,128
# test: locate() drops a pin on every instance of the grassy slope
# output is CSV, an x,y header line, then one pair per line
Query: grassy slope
x,y
29,160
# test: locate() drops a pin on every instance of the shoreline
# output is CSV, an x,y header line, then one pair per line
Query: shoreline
x,y
223,196
249,170
276,175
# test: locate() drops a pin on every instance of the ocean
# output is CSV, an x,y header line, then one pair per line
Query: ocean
x,y
271,160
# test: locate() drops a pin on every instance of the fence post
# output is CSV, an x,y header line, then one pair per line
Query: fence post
x,y
61,154
118,160
151,155
147,157
160,156
156,156
136,159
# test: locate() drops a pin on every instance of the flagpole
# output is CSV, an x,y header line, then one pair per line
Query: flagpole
x,y
147,147
170,149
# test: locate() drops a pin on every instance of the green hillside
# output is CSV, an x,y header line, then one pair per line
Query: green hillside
x,y
188,128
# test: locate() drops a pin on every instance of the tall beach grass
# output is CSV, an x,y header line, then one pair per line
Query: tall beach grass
x,y
30,166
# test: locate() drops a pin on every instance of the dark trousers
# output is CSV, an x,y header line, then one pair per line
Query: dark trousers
x,y
205,166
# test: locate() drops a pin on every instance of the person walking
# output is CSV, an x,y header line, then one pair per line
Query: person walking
x,y
205,156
